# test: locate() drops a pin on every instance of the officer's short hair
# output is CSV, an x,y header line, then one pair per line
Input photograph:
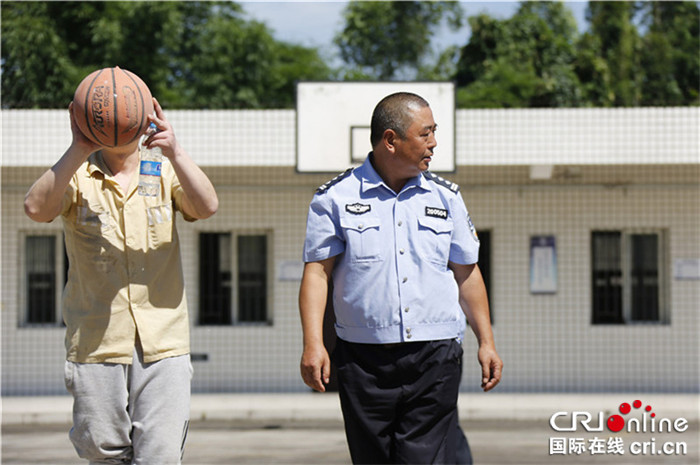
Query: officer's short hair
x,y
394,112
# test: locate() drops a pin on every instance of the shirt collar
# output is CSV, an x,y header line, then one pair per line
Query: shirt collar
x,y
369,176
96,164
371,179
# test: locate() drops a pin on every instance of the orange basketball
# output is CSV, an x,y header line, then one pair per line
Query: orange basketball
x,y
111,106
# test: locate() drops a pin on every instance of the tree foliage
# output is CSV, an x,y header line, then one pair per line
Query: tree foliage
x,y
633,53
610,54
382,40
524,61
206,54
670,53
191,54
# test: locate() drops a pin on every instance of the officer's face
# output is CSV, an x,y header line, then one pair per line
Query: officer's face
x,y
415,151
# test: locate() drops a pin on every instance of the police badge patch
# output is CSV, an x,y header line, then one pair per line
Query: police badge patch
x,y
357,208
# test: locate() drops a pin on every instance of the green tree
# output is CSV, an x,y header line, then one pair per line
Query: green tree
x,y
444,67
608,55
524,61
226,62
670,54
389,39
190,54
48,47
36,69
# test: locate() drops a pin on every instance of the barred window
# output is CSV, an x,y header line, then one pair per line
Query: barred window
x,y
234,284
628,277
45,273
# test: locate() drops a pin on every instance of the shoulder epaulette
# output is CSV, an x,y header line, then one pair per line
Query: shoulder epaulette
x,y
441,181
335,180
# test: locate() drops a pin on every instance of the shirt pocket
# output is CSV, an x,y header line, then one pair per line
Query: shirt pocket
x,y
362,236
95,231
160,225
434,240
92,222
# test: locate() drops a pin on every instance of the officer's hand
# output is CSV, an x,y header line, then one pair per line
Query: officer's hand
x,y
316,367
491,367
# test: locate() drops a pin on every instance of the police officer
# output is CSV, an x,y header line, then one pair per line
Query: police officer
x,y
401,251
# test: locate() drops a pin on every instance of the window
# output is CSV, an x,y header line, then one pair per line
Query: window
x,y
215,279
234,283
45,274
628,277
252,278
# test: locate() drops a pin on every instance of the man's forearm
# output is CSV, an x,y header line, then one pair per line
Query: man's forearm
x,y
313,296
43,200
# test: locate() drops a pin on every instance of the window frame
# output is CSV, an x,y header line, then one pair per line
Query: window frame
x,y
60,262
486,257
234,310
626,268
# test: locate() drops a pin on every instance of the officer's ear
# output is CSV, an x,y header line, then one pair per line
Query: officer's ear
x,y
389,140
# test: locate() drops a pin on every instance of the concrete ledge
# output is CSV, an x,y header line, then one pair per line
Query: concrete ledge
x,y
266,407
290,408
36,410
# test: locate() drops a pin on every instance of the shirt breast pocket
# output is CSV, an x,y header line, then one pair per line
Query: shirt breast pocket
x,y
160,225
95,227
362,235
434,240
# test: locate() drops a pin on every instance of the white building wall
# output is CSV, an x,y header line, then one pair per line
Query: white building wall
x,y
253,358
32,359
547,341
588,136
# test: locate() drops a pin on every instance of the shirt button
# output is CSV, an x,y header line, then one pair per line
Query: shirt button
x,y
404,279
360,226
402,251
408,336
408,330
406,309
400,223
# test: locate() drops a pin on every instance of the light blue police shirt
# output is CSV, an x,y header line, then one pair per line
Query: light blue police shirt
x,y
391,277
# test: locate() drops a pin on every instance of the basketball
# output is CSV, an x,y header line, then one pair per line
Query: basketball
x,y
111,106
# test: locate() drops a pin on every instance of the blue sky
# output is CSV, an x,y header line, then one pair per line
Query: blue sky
x,y
314,24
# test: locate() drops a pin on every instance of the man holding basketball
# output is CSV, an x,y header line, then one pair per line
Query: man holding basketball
x,y
127,329
401,251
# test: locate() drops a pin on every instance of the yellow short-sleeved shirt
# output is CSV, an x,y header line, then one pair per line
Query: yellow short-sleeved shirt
x,y
125,276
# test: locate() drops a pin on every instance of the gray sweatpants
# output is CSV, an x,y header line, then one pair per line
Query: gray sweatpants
x,y
130,414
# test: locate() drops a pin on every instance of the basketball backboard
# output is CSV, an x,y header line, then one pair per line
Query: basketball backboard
x,y
333,122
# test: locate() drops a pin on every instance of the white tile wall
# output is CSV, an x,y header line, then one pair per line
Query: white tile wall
x,y
484,137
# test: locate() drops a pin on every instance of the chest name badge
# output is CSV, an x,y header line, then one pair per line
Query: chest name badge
x,y
357,208
436,212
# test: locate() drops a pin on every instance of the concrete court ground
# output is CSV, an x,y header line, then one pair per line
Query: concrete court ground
x,y
307,429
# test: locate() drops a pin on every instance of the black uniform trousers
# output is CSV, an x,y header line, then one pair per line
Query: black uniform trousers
x,y
399,401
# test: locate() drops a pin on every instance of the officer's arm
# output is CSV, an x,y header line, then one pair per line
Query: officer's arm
x,y
474,302
315,363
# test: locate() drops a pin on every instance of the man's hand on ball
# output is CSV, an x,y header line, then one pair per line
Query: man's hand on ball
x,y
164,137
81,142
